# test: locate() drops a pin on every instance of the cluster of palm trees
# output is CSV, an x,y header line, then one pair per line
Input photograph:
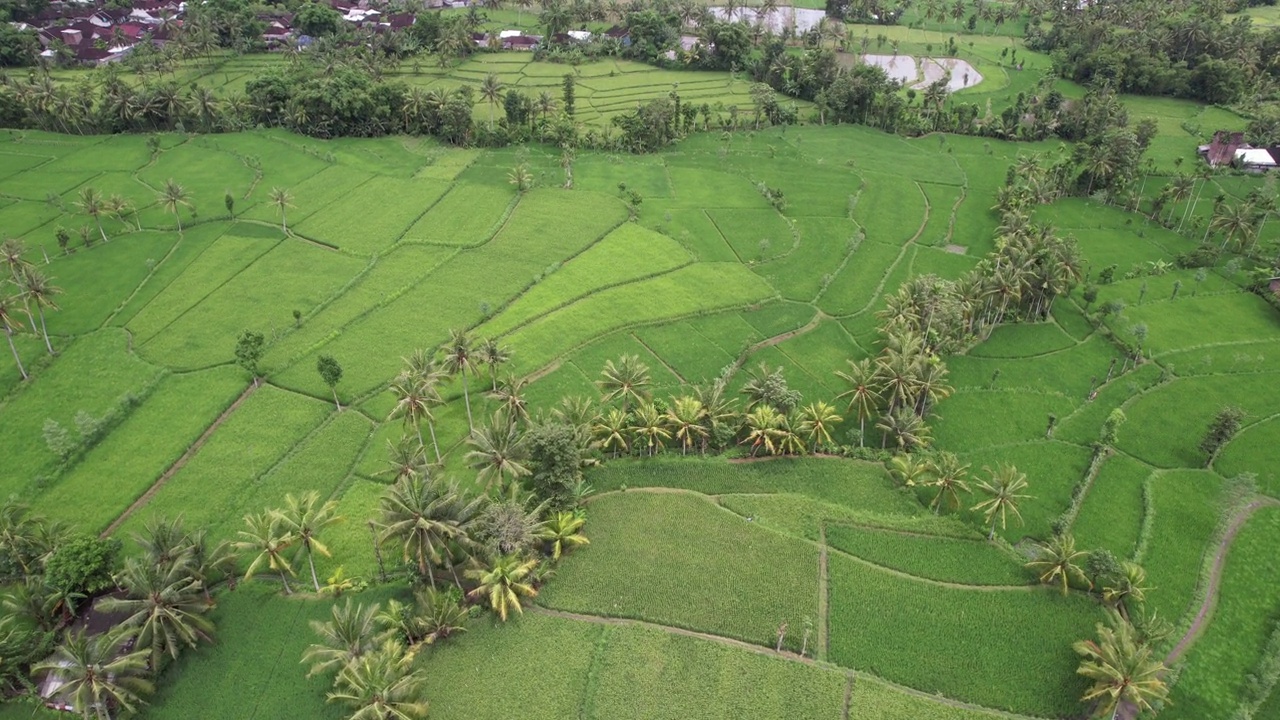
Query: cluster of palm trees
x,y
417,387
505,546
26,290
278,538
370,651
1239,223
163,596
1003,490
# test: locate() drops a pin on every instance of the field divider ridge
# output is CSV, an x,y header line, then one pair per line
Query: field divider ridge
x,y
178,464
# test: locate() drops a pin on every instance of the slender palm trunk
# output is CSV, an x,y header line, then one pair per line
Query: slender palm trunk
x,y
284,223
101,232
8,334
311,560
285,580
432,427
335,398
423,565
44,329
178,218
862,430
992,535
466,396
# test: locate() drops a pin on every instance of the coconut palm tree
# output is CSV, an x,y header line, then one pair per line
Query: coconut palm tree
x,y
267,536
1004,494
39,291
424,516
627,379
165,605
611,431
1056,561
283,200
764,429
908,471
564,531
439,615
499,452
504,583
649,425
906,428
172,197
491,90
98,679
382,685
121,208
864,397
510,397
458,359
949,478
816,422
414,396
1131,584
685,417
1123,669
350,635
10,323
304,517
11,254
406,459
493,354
91,203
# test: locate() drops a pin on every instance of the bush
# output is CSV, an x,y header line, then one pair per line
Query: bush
x,y
83,564
1203,256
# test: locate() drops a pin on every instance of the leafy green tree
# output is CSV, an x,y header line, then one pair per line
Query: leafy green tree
x,y
769,387
555,461
1004,494
504,584
229,201
382,685
267,536
249,348
350,635
83,564
1121,668
165,605
563,530
1057,561
1224,426
317,20
304,517
173,196
99,680
907,429
331,373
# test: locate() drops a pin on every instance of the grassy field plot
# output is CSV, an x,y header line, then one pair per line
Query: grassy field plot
x,y
252,440
970,561
393,204
879,619
691,547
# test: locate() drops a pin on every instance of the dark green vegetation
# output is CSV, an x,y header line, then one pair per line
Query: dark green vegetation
x,y
197,373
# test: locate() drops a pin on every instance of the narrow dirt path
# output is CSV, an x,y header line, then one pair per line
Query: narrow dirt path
x,y
1215,579
178,465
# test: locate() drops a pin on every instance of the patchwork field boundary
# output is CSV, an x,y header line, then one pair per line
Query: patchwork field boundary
x,y
178,464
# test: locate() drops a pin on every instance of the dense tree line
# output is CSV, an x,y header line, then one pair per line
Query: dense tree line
x,y
1180,48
